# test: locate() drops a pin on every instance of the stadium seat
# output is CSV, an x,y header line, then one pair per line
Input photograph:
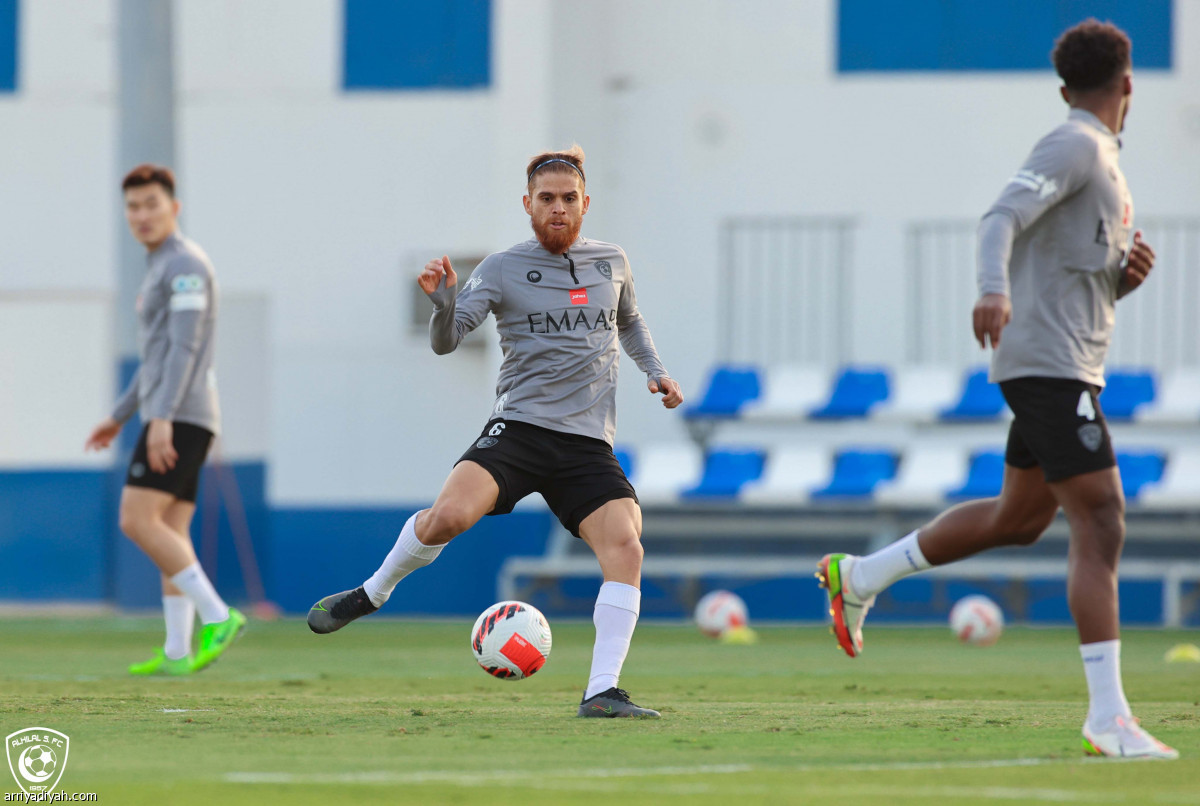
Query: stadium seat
x,y
924,476
725,471
624,459
980,400
855,392
791,472
729,387
856,473
1125,391
662,470
1139,469
985,476
1178,401
788,392
919,394
1179,486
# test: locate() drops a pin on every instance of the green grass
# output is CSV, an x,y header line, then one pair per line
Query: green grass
x,y
397,712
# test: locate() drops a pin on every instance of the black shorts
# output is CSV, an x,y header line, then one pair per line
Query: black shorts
x,y
575,474
191,443
1058,426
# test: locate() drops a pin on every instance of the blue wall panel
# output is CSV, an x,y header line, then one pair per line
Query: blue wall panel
x,y
316,552
9,26
395,46
52,539
969,35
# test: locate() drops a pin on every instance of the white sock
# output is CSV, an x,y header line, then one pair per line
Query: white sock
x,y
180,615
616,615
876,572
1102,665
195,586
406,556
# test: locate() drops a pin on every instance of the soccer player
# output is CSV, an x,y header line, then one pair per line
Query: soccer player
x,y
561,304
175,390
1054,256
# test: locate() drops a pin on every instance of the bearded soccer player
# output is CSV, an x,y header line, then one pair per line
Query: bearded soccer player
x,y
175,391
562,303
1054,257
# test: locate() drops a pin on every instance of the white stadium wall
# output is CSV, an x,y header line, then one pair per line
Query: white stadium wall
x,y
318,206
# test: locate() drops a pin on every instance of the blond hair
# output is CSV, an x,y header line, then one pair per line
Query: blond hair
x,y
569,161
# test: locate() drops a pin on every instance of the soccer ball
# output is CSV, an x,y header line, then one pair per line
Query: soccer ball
x,y
976,620
39,763
511,640
720,611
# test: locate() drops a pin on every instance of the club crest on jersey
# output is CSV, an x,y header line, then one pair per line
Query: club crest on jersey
x,y
604,267
578,296
534,276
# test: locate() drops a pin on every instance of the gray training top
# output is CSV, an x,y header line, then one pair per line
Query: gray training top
x,y
177,316
559,318
1066,218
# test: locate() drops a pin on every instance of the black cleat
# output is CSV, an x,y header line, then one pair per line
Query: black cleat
x,y
614,703
336,611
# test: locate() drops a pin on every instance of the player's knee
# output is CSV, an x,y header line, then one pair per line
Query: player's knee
x,y
443,523
131,521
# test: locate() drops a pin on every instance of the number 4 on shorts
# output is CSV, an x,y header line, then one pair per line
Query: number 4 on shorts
x,y
1085,407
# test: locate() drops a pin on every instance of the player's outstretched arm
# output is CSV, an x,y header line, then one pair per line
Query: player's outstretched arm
x,y
102,435
456,313
1137,267
669,388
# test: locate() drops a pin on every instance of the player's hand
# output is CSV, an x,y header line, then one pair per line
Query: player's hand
x,y
160,446
102,435
431,276
1137,268
670,390
991,314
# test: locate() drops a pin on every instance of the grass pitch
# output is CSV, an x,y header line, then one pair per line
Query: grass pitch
x,y
396,712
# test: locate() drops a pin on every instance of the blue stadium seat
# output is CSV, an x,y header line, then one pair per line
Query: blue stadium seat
x,y
729,387
1139,469
625,460
857,472
725,471
980,400
1124,391
855,392
985,476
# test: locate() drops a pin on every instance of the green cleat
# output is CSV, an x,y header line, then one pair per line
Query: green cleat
x,y
160,664
218,637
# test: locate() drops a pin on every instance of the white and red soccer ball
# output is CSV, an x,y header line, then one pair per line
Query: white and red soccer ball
x,y
976,620
511,640
720,611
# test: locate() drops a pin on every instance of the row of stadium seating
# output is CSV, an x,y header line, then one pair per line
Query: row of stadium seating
x,y
921,475
921,394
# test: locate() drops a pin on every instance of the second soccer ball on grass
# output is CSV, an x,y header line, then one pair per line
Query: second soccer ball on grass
x,y
511,640
977,620
720,611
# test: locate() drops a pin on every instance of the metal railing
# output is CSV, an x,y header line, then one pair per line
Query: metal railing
x,y
785,290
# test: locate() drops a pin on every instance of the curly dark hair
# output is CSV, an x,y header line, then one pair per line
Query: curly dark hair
x,y
1091,55
147,174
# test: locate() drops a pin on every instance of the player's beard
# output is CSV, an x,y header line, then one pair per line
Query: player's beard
x,y
557,241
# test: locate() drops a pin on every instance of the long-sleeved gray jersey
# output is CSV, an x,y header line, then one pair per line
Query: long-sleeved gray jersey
x,y
177,316
559,318
1066,217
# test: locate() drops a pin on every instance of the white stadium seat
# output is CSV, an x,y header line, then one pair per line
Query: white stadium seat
x,y
919,394
788,393
662,470
791,472
1177,402
925,474
1180,485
